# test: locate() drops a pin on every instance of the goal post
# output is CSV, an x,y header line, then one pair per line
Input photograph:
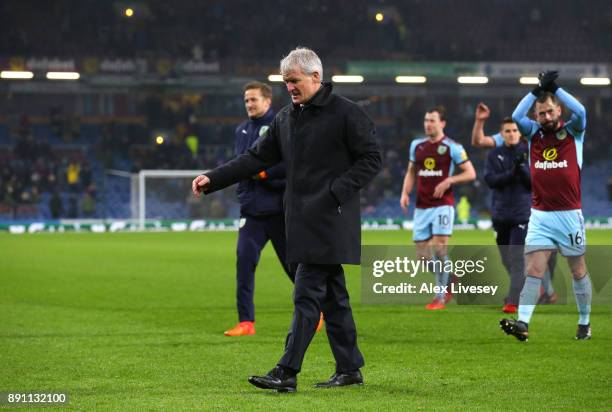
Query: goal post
x,y
166,194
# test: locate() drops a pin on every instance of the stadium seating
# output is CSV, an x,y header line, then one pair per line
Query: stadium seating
x,y
483,30
108,132
116,143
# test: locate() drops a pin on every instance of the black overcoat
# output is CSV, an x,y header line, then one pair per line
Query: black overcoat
x,y
329,146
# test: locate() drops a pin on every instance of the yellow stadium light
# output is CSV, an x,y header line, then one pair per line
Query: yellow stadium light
x,y
12,74
275,78
63,75
528,80
159,140
129,12
410,79
595,81
473,79
379,17
347,79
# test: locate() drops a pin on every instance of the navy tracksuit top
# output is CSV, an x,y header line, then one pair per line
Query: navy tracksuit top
x,y
259,197
510,184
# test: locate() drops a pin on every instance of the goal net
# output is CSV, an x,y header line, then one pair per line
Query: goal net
x,y
166,195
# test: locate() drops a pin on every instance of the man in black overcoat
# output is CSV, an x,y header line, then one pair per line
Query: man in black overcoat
x,y
329,146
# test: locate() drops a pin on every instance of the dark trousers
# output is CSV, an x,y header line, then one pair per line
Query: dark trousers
x,y
252,237
321,288
511,242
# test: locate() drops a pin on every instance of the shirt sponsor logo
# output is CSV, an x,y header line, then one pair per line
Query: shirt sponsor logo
x,y
550,155
430,165
430,173
550,165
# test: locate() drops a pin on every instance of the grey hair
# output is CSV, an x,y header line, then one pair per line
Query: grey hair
x,y
305,59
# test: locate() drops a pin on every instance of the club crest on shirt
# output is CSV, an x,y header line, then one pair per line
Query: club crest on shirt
x,y
561,134
263,130
442,149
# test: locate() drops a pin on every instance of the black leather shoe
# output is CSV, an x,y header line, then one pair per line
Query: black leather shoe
x,y
278,379
342,379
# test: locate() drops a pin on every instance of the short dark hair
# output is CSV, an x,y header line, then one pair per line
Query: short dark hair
x,y
544,96
266,90
506,120
441,110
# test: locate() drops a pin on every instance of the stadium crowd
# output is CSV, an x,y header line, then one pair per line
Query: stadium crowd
x,y
68,157
35,172
62,144
215,30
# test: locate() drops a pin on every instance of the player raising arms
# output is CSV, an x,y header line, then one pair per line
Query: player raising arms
x,y
432,162
507,175
556,222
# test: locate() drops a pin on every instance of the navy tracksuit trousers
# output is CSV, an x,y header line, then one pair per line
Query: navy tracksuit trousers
x,y
511,242
252,237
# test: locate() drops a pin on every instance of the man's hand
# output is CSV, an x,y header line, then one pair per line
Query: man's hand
x,y
404,202
547,80
442,187
482,112
520,159
199,184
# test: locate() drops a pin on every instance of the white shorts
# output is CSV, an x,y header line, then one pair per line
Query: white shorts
x,y
433,221
562,230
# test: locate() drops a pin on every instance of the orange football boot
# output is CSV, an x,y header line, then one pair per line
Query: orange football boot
x,y
241,329
436,304
510,308
320,325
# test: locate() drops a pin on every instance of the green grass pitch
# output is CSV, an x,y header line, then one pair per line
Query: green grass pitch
x,y
134,321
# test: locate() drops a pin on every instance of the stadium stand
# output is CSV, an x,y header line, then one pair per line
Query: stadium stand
x,y
56,149
215,29
36,154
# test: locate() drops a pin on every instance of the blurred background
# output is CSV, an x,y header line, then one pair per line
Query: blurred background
x,y
94,92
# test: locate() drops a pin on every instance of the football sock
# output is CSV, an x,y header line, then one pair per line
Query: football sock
x,y
584,293
445,273
529,298
442,277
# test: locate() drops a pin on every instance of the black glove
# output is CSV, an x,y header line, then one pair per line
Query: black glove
x,y
546,82
520,159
